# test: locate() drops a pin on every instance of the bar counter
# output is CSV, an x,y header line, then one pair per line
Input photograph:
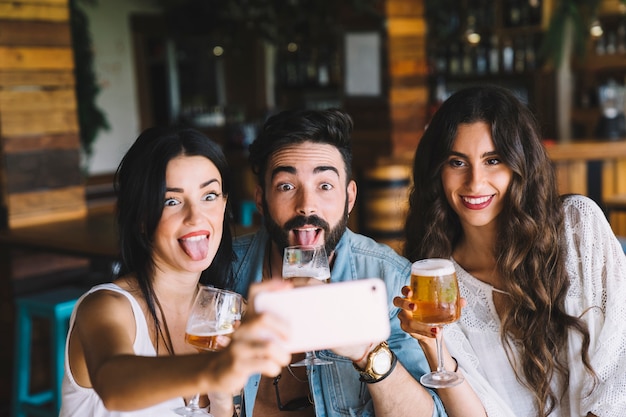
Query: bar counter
x,y
587,149
572,161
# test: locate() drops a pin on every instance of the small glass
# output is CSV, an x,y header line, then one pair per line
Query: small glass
x,y
213,317
301,263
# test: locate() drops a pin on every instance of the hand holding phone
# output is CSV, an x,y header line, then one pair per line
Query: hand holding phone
x,y
328,316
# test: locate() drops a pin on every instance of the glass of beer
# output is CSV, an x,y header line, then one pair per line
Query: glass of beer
x,y
212,319
306,265
436,297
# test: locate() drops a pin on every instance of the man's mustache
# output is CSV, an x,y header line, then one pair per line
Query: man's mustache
x,y
300,221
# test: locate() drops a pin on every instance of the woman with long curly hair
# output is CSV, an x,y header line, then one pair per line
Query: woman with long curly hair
x,y
543,276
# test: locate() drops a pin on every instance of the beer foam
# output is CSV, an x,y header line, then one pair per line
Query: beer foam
x,y
210,329
432,267
321,274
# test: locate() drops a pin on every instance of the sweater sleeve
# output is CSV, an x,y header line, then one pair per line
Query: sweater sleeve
x,y
597,266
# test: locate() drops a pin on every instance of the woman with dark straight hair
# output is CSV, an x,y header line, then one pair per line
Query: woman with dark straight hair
x,y
126,351
543,276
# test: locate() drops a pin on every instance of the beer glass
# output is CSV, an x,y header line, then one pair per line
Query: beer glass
x,y
211,320
436,297
300,264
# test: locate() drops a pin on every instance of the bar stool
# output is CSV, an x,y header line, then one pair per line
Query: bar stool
x,y
56,307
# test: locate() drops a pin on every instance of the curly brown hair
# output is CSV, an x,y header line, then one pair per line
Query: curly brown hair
x,y
530,248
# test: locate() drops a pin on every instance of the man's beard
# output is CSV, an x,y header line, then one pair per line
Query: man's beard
x,y
280,235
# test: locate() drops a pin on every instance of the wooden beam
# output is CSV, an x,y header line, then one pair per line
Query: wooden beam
x,y
36,58
37,100
34,33
46,206
51,10
37,78
22,123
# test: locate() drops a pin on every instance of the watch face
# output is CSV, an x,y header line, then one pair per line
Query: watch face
x,y
381,362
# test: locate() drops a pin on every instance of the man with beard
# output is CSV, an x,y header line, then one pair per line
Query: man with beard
x,y
305,192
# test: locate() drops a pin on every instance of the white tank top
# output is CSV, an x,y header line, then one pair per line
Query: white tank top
x,y
82,402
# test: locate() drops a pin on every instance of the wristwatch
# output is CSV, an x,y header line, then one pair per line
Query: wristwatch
x,y
380,363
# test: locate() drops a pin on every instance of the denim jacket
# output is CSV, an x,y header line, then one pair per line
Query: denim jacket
x,y
336,389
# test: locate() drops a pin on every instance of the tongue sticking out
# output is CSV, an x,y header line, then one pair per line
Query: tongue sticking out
x,y
196,248
305,237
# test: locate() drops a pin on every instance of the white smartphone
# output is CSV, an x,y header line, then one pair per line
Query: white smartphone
x,y
327,316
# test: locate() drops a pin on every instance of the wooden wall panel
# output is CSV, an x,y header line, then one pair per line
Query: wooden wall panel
x,y
46,10
38,100
24,33
33,123
35,58
408,70
43,169
59,204
39,130
29,143
37,78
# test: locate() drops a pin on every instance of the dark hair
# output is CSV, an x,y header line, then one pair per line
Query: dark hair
x,y
140,188
530,247
331,126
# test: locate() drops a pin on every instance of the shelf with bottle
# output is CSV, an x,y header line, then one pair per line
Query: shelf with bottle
x,y
608,42
603,65
495,42
500,37
301,66
308,75
497,55
521,13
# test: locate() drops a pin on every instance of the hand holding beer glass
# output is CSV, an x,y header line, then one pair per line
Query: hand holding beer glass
x,y
301,264
436,297
212,318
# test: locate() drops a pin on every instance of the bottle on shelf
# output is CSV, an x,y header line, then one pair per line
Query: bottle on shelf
x,y
600,48
508,56
531,56
535,12
611,43
513,13
467,61
519,55
454,59
494,55
481,59
621,38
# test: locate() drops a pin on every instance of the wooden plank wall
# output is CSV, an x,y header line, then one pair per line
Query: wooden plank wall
x,y
393,123
408,73
40,177
39,133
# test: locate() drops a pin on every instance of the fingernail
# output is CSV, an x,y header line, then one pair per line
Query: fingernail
x,y
412,306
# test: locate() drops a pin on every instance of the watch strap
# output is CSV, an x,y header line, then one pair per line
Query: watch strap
x,y
369,377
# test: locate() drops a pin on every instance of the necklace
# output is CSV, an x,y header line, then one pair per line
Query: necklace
x,y
167,339
269,259
494,289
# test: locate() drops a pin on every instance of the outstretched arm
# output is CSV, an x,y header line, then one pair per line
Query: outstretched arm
x,y
102,356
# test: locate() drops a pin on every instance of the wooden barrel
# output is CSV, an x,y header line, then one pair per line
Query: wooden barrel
x,y
384,203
